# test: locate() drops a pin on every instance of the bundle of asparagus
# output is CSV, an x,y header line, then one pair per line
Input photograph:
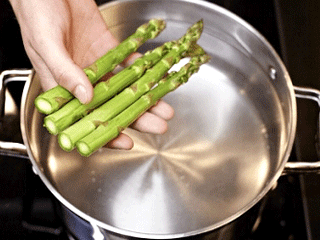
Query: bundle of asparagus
x,y
170,53
121,99
51,100
74,110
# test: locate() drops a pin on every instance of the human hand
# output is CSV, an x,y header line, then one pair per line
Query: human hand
x,y
61,37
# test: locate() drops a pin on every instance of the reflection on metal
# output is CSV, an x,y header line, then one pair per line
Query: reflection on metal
x,y
6,77
10,106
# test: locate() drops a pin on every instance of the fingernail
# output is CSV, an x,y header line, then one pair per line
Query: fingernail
x,y
81,93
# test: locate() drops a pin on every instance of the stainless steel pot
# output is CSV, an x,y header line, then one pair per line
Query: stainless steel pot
x,y
226,147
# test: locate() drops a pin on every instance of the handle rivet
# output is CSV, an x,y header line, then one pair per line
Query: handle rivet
x,y
273,73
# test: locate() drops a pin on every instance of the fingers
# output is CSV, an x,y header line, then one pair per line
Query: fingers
x,y
150,123
154,121
130,59
123,141
163,110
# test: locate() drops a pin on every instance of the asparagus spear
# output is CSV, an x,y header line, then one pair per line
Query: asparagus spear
x,y
109,130
111,108
51,100
74,110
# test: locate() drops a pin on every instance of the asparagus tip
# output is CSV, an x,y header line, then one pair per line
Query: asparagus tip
x,y
159,22
195,50
205,58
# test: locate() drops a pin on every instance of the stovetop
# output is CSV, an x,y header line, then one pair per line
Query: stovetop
x,y
28,209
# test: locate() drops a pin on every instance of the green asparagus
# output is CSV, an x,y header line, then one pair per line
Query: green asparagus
x,y
111,108
51,100
109,130
74,110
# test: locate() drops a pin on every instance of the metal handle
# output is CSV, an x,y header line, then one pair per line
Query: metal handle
x,y
304,167
11,148
10,76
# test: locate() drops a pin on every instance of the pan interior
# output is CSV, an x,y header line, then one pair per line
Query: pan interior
x,y
222,148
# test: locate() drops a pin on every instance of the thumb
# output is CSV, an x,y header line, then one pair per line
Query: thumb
x,y
73,78
68,74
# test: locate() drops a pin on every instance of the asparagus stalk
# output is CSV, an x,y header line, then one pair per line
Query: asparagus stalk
x,y
51,100
109,130
74,110
69,137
